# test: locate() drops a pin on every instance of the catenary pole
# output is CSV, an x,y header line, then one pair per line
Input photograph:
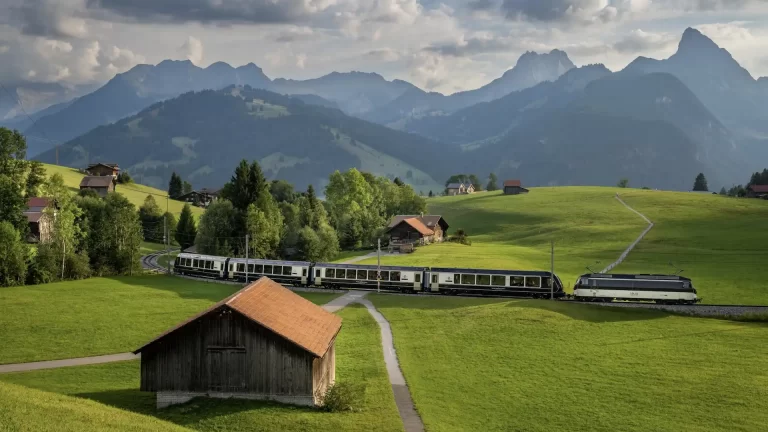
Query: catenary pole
x,y
246,259
552,271
378,266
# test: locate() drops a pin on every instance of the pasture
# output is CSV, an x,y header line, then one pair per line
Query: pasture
x,y
101,315
712,238
538,365
112,390
136,193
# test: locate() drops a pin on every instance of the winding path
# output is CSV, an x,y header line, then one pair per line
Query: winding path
x,y
624,254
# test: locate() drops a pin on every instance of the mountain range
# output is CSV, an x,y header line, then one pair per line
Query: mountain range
x,y
546,121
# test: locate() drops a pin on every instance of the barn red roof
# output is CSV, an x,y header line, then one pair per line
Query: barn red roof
x,y
759,188
278,309
418,226
512,183
96,182
38,202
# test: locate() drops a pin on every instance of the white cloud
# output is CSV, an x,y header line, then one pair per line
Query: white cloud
x,y
301,61
192,49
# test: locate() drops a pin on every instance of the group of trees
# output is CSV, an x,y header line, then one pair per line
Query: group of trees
x,y
154,222
178,187
87,234
757,178
284,223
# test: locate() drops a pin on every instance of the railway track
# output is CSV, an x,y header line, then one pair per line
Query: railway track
x,y
149,262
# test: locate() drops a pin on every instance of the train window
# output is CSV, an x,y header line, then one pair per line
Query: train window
x,y
498,280
467,279
287,270
546,282
330,273
483,279
231,267
258,268
417,277
304,272
362,274
351,274
385,275
209,265
516,281
394,276
241,267
371,274
340,274
457,278
317,273
434,278
277,270
533,282
267,269
194,263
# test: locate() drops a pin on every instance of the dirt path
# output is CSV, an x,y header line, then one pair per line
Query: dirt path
x,y
52,364
409,415
624,254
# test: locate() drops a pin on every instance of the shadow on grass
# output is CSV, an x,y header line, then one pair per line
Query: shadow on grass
x,y
192,412
184,288
592,313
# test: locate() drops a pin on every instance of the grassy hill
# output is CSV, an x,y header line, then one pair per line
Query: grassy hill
x,y
136,193
537,365
713,238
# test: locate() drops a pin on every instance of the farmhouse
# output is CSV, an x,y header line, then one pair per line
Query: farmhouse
x,y
416,229
459,188
264,342
757,191
103,169
101,184
514,187
40,222
202,198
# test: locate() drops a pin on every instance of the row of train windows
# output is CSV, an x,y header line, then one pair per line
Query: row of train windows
x,y
393,276
514,281
267,269
196,263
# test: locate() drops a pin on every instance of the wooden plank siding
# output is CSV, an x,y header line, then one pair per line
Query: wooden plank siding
x,y
324,373
223,351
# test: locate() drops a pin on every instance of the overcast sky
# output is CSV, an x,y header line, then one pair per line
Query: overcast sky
x,y
446,45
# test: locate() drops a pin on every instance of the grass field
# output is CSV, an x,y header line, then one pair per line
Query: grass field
x,y
135,193
100,315
714,239
587,224
358,358
535,365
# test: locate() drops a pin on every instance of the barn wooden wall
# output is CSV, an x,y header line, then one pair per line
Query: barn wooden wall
x,y
226,352
324,372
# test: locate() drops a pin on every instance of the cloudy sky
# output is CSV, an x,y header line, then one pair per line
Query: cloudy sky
x,y
442,45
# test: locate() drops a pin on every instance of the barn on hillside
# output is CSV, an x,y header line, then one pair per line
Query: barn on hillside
x,y
264,342
514,187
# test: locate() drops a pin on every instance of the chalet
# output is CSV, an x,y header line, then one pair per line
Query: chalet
x,y
262,343
514,187
202,198
416,229
40,222
757,191
101,184
103,169
459,188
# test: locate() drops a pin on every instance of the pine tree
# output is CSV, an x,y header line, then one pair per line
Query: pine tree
x,y
492,182
186,188
723,191
700,184
175,187
35,178
186,231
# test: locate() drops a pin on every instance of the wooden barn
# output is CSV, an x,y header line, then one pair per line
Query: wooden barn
x,y
514,187
264,343
416,229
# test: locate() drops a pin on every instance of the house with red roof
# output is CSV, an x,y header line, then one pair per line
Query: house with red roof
x,y
757,191
514,187
417,229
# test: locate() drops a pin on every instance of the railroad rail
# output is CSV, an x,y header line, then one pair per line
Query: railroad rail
x,y
149,262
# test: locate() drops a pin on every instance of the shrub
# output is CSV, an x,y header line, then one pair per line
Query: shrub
x,y
343,396
77,266
460,237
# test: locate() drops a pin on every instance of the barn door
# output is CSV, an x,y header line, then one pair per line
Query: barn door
x,y
226,369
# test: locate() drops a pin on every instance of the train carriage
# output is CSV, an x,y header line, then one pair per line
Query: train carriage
x,y
639,287
523,283
285,272
393,278
200,265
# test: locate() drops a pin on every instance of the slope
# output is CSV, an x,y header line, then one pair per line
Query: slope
x,y
136,193
26,409
204,135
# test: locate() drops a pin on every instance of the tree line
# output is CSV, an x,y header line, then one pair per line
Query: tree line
x,y
281,222
89,235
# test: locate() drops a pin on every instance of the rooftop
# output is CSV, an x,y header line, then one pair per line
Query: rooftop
x,y
512,183
96,181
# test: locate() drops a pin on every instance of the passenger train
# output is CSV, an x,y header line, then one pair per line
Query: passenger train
x,y
513,283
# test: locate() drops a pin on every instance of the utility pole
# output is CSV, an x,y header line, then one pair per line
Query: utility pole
x,y
167,232
378,266
63,255
246,259
552,271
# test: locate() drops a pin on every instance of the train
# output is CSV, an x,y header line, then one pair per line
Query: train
x,y
591,287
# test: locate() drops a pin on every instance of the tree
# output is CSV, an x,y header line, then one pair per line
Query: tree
x,y
264,223
397,181
430,193
35,178
214,233
186,231
457,178
169,221
13,169
282,191
122,233
175,187
186,188
66,235
492,182
124,178
13,254
475,182
700,184
723,191
152,223
623,183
